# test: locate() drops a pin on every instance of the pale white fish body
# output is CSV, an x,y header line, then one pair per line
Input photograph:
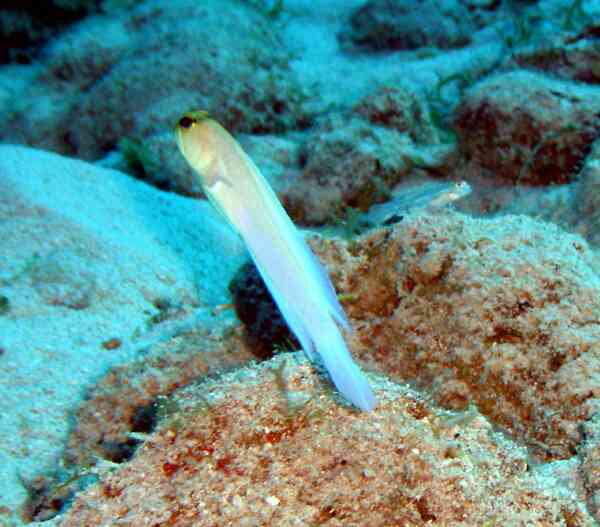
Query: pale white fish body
x,y
296,279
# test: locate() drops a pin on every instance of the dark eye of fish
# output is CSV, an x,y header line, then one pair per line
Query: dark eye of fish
x,y
186,122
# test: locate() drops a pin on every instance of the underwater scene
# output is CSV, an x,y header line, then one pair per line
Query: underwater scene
x,y
299,263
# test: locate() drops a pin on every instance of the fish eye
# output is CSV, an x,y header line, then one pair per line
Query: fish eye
x,y
186,121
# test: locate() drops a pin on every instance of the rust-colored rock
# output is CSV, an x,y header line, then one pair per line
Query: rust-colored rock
x,y
272,445
524,128
504,313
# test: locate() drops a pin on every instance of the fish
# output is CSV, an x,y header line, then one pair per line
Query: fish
x,y
292,273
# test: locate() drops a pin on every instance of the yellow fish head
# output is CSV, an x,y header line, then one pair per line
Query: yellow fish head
x,y
194,134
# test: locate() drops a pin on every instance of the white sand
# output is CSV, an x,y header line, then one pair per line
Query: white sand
x,y
103,239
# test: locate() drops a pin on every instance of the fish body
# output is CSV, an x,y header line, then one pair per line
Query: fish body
x,y
295,278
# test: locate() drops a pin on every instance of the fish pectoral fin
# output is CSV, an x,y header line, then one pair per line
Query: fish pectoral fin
x,y
215,203
218,182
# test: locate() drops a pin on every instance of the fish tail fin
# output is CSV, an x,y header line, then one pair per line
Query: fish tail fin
x,y
310,307
347,376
